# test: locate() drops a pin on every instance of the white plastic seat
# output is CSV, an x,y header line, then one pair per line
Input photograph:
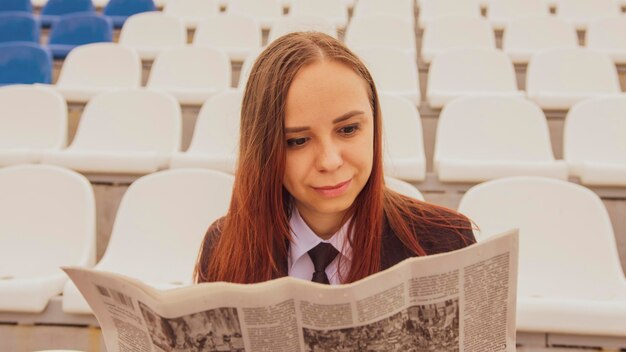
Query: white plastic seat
x,y
501,12
607,35
266,12
293,23
127,131
333,10
581,12
159,228
401,8
394,71
191,74
403,188
431,9
381,31
594,141
526,36
247,67
470,71
570,279
216,136
95,68
32,119
236,35
48,220
483,138
559,78
453,32
191,12
403,152
149,33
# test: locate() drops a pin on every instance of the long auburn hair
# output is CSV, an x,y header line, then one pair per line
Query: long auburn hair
x,y
254,235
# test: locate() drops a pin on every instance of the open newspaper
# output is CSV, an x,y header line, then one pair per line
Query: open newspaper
x,y
459,301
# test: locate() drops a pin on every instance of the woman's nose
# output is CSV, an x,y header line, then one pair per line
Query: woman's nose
x,y
329,157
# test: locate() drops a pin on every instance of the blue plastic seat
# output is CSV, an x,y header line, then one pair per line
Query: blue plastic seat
x,y
54,9
120,10
16,5
73,30
18,27
24,63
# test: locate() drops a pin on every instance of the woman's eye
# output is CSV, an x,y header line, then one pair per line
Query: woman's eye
x,y
349,130
297,142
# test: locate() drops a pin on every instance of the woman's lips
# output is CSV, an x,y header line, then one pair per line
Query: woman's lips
x,y
333,191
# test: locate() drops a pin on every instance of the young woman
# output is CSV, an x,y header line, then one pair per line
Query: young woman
x,y
311,171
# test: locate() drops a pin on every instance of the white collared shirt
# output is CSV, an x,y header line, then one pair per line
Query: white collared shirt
x,y
304,239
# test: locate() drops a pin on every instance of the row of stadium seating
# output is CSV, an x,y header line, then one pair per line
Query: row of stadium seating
x,y
478,138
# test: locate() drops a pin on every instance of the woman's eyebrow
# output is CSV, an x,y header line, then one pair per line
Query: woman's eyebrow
x,y
341,118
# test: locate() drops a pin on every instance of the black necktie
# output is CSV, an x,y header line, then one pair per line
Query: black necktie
x,y
322,255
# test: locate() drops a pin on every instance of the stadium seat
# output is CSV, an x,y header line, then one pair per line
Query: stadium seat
x,y
190,74
581,12
16,5
236,35
333,10
559,78
483,138
470,71
161,253
54,9
403,188
431,9
95,68
266,12
401,8
192,12
150,33
48,220
216,136
293,23
394,71
119,10
381,31
454,32
71,31
18,27
129,131
501,12
570,279
246,68
607,35
24,63
526,36
403,152
594,141
32,119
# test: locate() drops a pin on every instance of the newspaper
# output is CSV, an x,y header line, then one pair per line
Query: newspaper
x,y
459,301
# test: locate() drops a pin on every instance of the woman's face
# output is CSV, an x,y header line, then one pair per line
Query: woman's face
x,y
329,136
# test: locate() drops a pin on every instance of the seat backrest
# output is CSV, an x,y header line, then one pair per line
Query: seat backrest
x,y
492,128
25,63
403,188
18,27
607,34
572,70
153,29
32,117
583,11
402,128
130,119
81,28
128,7
16,5
191,8
228,31
382,7
63,7
567,245
502,11
431,9
161,222
472,69
538,33
595,130
48,220
101,65
391,68
191,67
381,31
453,32
334,9
256,8
217,126
294,23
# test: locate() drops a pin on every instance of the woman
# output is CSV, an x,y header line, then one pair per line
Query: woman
x,y
310,171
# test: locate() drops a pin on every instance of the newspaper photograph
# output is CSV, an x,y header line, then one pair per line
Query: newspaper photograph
x,y
463,300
